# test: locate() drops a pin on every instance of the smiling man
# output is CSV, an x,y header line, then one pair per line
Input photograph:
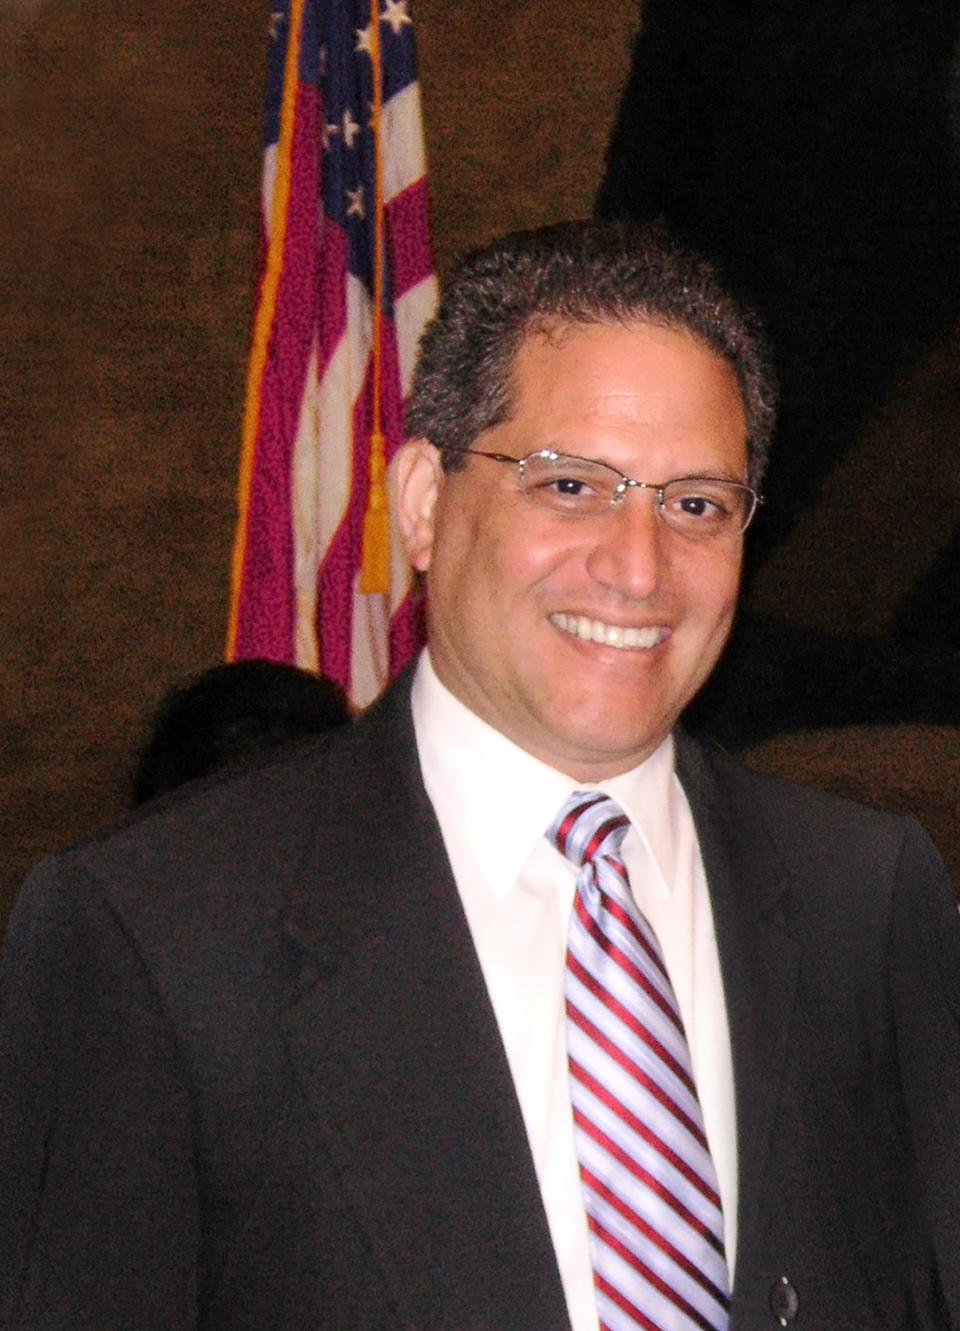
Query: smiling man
x,y
510,1007
580,624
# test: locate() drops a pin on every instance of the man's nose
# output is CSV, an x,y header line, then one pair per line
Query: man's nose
x,y
631,548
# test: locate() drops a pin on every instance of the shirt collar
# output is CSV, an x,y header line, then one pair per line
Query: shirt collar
x,y
480,780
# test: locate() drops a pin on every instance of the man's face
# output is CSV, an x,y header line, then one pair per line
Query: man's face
x,y
507,580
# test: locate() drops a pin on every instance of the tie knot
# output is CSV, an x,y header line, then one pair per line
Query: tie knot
x,y
589,825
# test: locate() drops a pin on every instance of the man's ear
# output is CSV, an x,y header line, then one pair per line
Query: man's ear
x,y
419,477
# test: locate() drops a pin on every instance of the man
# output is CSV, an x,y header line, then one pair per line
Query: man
x,y
379,1036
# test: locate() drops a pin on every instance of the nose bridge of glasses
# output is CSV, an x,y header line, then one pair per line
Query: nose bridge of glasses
x,y
628,483
644,520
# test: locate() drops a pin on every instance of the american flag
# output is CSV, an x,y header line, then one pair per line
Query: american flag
x,y
345,235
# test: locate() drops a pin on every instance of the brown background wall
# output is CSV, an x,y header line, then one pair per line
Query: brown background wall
x,y
129,166
129,162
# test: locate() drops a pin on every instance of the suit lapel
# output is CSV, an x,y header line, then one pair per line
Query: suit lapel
x,y
758,962
399,1053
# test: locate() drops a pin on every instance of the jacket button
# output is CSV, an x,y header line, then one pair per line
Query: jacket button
x,y
784,1303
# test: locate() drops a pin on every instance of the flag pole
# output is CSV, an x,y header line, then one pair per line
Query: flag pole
x,y
375,559
263,324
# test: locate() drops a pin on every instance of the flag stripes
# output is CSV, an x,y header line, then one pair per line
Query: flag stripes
x,y
342,184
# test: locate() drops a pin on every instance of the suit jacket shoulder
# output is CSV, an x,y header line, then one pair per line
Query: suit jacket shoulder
x,y
273,1092
839,943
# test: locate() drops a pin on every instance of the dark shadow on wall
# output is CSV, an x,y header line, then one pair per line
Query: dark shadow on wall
x,y
776,679
809,148
812,150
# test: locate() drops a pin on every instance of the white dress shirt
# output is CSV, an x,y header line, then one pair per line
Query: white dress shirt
x,y
494,802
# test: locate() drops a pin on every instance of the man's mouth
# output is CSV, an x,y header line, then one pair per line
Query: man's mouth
x,y
609,635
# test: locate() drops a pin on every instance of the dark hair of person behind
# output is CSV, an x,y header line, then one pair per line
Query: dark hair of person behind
x,y
576,273
230,715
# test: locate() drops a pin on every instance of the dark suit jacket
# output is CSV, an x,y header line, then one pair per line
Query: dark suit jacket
x,y
250,1077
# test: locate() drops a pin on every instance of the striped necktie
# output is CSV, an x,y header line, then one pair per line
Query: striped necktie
x,y
649,1186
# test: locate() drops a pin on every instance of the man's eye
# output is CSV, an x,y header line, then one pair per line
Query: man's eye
x,y
567,485
565,488
700,506
707,508
570,486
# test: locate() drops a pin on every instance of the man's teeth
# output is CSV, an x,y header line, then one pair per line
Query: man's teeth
x,y
609,635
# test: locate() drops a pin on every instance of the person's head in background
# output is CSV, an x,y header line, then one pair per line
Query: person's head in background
x,y
229,716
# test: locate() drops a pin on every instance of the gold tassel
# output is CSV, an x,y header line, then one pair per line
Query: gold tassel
x,y
375,563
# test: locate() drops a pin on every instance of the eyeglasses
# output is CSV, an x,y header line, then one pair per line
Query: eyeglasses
x,y
700,507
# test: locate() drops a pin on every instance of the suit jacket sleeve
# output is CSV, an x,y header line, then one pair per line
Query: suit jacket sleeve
x,y
925,993
98,1222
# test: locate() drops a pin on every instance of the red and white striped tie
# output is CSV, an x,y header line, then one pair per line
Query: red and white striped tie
x,y
649,1186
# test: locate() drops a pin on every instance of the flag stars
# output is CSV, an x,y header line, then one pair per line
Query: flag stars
x,y
355,202
327,134
395,13
363,40
350,128
276,24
